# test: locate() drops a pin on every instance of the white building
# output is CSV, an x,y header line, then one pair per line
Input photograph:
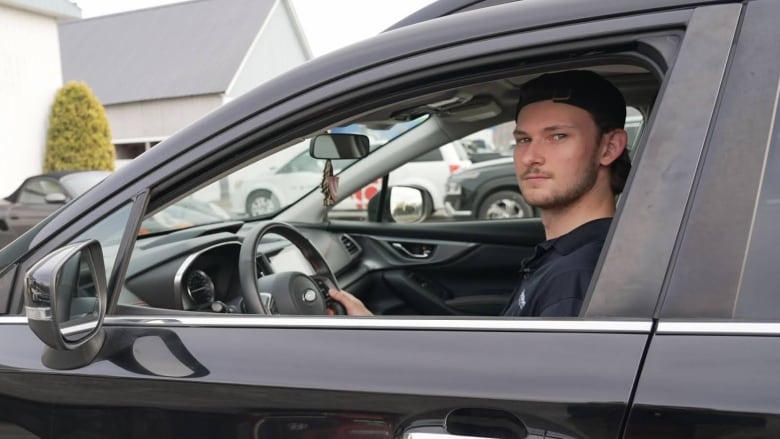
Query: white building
x,y
30,75
157,70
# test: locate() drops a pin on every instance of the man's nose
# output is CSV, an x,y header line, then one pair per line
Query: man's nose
x,y
529,154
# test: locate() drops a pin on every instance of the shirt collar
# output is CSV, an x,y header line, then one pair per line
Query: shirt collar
x,y
588,232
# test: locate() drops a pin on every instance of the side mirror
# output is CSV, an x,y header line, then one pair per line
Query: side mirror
x,y
55,198
403,204
65,303
339,146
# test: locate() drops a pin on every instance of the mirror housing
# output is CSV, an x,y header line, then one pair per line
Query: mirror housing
x,y
403,204
65,302
339,146
55,198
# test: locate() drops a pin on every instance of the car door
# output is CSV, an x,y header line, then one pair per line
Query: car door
x,y
711,369
174,373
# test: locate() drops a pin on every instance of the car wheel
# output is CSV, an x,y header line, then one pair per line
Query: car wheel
x,y
261,203
504,204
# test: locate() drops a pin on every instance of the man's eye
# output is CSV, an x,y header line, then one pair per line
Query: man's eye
x,y
559,136
522,140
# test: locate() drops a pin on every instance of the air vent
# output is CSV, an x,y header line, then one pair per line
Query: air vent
x,y
350,244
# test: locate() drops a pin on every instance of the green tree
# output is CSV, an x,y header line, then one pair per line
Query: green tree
x,y
79,136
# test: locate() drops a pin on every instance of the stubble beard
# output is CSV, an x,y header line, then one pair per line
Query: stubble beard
x,y
569,195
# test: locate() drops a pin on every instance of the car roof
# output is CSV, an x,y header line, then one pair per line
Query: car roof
x,y
441,8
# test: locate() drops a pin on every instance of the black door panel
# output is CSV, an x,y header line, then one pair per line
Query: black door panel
x,y
363,380
462,268
715,385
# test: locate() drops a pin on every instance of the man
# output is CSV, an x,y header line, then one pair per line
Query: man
x,y
571,162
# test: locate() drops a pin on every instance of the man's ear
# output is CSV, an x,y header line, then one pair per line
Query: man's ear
x,y
613,145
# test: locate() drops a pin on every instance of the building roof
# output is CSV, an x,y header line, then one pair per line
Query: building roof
x,y
182,49
59,9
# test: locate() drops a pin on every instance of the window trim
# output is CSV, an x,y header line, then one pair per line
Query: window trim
x,y
378,322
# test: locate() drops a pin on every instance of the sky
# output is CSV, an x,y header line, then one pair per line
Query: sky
x,y
328,24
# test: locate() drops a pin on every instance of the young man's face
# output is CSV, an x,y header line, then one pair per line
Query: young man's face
x,y
557,154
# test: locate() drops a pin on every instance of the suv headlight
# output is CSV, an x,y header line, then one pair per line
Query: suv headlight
x,y
453,188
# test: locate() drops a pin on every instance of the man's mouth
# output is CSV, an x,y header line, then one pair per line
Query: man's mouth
x,y
535,177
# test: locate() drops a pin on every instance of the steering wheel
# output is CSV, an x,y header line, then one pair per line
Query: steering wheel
x,y
289,292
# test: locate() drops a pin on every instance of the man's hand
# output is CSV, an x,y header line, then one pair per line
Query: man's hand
x,y
352,304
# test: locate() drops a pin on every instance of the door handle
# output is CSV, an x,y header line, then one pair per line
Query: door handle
x,y
476,423
412,250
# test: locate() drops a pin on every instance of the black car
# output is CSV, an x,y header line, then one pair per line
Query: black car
x,y
486,190
220,329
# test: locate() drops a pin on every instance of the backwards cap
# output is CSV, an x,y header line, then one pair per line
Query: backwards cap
x,y
580,88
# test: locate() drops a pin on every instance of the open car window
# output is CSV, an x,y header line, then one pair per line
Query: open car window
x,y
268,185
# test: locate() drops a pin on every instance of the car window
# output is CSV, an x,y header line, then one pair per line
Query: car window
x,y
108,232
265,187
36,190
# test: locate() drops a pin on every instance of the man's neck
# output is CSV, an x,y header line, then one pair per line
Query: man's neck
x,y
560,221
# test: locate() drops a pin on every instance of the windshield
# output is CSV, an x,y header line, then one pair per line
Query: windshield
x,y
78,183
269,185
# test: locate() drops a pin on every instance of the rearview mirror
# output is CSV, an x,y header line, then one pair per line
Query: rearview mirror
x,y
339,146
65,303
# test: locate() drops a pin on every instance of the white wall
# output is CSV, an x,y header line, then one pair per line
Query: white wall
x,y
157,119
30,75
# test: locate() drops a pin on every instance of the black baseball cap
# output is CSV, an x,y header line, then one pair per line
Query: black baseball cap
x,y
580,88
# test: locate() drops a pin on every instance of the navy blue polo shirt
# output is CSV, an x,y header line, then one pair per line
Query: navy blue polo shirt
x,y
556,277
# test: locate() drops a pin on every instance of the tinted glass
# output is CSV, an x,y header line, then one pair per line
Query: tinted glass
x,y
265,187
109,232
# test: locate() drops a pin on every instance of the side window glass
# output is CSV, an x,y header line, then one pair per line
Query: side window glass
x,y
32,193
635,122
108,232
757,297
51,187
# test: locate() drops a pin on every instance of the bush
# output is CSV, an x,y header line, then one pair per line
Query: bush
x,y
79,136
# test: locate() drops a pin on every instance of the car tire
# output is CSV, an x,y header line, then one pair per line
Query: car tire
x,y
504,204
260,203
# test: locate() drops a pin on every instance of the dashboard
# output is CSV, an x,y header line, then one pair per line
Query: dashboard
x,y
196,269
